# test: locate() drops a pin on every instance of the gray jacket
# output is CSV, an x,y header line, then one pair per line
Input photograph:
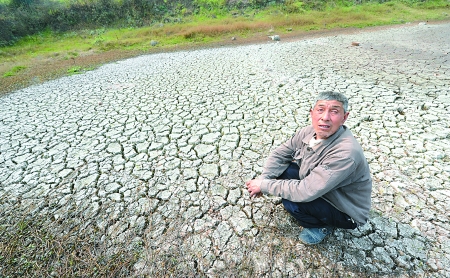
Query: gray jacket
x,y
335,170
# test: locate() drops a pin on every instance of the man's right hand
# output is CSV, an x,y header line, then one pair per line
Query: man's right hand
x,y
254,188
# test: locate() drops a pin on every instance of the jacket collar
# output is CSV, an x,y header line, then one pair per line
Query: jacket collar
x,y
325,142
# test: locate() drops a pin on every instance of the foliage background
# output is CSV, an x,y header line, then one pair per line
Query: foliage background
x,y
20,18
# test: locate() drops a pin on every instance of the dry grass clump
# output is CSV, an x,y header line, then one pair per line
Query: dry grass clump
x,y
221,29
242,27
30,248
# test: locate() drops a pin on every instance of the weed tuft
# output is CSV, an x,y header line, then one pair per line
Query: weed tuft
x,y
14,71
78,70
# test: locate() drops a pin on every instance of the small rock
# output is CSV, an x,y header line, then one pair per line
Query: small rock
x,y
233,38
275,37
153,43
355,43
425,106
368,118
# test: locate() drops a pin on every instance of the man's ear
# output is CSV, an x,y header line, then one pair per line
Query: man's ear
x,y
345,117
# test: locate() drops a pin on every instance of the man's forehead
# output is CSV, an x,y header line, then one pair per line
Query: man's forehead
x,y
331,103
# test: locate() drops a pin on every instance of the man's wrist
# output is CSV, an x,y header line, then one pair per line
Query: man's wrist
x,y
264,185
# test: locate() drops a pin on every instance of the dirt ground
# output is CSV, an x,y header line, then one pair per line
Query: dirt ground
x,y
40,69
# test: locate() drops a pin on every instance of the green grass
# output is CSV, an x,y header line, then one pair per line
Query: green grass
x,y
78,70
75,70
15,70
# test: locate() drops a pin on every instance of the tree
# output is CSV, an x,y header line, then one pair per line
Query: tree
x,y
21,3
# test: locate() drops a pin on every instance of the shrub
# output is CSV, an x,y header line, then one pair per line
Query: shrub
x,y
6,32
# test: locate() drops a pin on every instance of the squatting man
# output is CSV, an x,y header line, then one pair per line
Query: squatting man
x,y
321,173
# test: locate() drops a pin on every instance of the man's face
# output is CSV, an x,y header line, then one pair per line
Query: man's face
x,y
327,116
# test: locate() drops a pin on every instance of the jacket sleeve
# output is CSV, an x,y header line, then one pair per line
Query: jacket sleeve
x,y
280,158
277,162
332,173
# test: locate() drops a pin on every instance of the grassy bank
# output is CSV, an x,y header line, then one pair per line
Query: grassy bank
x,y
49,55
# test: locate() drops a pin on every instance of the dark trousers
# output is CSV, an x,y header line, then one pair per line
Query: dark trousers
x,y
315,214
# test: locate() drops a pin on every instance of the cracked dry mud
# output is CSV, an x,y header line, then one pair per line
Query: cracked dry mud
x,y
156,149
